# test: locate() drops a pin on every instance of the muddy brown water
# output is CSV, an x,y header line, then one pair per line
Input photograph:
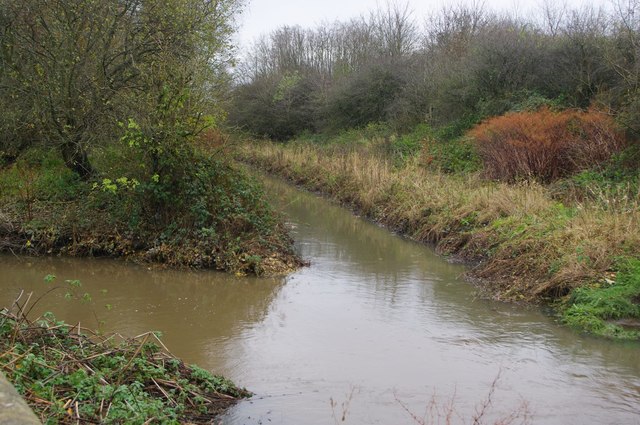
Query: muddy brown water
x,y
375,328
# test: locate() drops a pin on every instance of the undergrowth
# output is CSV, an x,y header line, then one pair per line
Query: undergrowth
x,y
200,212
424,143
72,375
609,308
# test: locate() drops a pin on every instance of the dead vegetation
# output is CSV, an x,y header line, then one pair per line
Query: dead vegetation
x,y
72,375
545,145
526,246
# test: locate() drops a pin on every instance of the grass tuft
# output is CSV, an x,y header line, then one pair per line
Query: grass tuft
x,y
610,308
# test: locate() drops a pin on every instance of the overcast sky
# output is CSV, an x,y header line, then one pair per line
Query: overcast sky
x,y
263,16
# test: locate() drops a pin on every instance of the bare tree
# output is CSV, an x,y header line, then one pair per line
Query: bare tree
x,y
553,15
395,29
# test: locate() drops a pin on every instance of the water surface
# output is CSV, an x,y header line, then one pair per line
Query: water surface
x,y
377,324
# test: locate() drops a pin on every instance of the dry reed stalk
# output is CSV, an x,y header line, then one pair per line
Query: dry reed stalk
x,y
527,244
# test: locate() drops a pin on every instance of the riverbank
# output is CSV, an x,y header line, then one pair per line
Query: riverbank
x,y
211,215
69,374
525,245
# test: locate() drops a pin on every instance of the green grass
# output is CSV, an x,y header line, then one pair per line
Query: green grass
x,y
596,308
39,175
611,184
457,156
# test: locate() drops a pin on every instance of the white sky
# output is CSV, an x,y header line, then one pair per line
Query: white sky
x,y
263,16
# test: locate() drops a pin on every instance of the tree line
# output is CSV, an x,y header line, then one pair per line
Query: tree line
x,y
461,65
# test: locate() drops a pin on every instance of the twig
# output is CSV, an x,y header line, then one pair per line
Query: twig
x,y
477,419
38,300
164,392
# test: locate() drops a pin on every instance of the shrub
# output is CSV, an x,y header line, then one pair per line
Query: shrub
x,y
456,128
362,98
601,307
457,156
545,145
399,148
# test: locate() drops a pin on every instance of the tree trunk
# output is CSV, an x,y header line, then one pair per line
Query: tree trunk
x,y
76,159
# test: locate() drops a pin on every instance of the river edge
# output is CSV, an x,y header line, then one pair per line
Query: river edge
x,y
227,225
280,262
513,257
480,284
69,374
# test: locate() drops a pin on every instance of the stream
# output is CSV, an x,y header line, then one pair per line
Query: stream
x,y
376,330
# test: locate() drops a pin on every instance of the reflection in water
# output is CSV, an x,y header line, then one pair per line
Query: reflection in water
x,y
373,312
196,311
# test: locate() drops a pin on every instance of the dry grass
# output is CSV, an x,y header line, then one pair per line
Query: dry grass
x,y
526,245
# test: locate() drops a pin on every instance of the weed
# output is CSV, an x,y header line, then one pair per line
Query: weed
x,y
602,308
71,375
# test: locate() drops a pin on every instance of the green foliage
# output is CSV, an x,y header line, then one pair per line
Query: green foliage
x,y
192,208
457,156
365,135
200,203
456,128
623,166
600,308
614,184
63,374
118,95
408,145
39,174
527,101
72,70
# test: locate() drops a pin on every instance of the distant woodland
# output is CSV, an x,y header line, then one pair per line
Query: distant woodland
x,y
452,69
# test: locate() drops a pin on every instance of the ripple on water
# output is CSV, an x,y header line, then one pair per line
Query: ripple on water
x,y
373,312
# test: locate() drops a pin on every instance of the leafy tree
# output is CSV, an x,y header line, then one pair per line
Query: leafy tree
x,y
79,67
363,98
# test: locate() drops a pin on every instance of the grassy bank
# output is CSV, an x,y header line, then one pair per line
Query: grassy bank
x,y
72,375
203,213
524,241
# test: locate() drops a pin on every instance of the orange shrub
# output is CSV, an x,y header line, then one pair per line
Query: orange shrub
x,y
545,145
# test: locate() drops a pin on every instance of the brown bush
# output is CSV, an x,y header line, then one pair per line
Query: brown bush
x,y
545,145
